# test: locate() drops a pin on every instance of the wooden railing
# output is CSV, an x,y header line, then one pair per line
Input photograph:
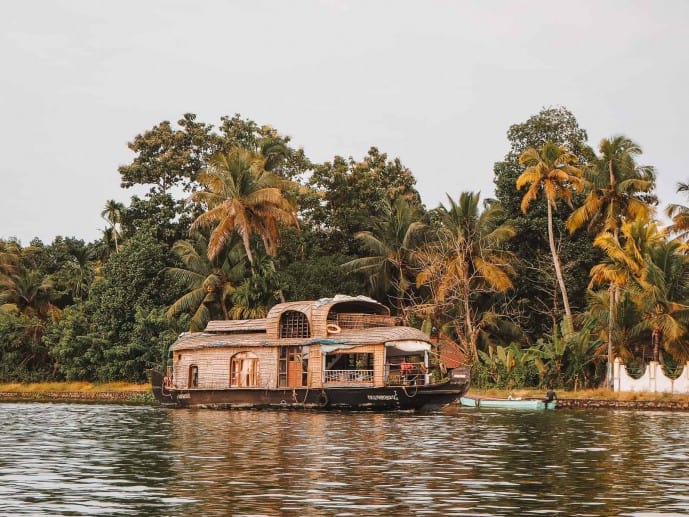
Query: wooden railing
x,y
348,376
407,374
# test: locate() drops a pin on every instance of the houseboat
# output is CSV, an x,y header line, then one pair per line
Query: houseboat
x,y
337,353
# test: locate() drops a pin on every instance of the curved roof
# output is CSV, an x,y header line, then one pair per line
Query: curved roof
x,y
317,311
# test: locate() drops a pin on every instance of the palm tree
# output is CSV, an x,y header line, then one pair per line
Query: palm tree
x,y
550,170
655,271
27,291
112,214
390,244
466,260
679,215
242,196
254,296
80,271
665,290
208,284
620,190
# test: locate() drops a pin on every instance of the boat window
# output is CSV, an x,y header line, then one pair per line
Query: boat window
x,y
348,368
244,370
294,324
193,376
349,362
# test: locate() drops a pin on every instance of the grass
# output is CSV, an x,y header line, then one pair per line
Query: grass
x,y
592,394
62,387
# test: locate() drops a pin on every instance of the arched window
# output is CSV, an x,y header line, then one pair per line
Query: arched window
x,y
294,324
244,370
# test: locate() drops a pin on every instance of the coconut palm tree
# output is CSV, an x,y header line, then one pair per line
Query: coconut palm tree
x,y
390,245
550,170
242,196
467,260
679,215
208,284
255,295
655,271
619,190
112,214
665,290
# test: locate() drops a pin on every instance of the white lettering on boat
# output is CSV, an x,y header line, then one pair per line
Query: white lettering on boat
x,y
393,396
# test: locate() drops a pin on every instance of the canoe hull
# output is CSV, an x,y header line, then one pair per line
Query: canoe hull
x,y
526,404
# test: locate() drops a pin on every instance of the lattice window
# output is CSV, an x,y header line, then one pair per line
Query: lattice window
x,y
364,321
294,324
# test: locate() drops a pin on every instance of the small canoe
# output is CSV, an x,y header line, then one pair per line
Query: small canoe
x,y
516,403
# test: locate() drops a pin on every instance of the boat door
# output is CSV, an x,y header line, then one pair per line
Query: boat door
x,y
293,366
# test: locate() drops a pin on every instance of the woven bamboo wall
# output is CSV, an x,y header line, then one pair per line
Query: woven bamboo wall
x,y
214,366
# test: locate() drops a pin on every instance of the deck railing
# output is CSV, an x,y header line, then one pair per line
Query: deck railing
x,y
348,376
412,374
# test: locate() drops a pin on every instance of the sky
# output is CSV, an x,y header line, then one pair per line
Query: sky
x,y
435,83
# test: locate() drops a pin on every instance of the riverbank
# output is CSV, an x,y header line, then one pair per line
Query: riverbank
x,y
115,392
125,393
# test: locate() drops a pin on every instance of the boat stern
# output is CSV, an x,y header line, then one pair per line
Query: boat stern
x,y
460,376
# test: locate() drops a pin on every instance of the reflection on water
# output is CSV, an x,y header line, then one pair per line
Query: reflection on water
x,y
60,459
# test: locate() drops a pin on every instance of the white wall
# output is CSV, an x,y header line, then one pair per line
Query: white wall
x,y
653,380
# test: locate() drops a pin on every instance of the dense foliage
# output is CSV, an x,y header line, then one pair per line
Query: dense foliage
x,y
542,286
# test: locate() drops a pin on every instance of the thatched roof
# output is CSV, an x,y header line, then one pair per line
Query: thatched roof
x,y
256,325
196,340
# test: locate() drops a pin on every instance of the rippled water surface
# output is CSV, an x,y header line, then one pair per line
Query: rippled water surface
x,y
61,459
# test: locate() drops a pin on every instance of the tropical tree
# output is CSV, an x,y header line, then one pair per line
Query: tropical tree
x,y
550,170
208,284
655,271
619,190
256,294
535,298
466,260
112,214
78,271
665,290
27,291
352,193
10,260
679,215
390,244
241,196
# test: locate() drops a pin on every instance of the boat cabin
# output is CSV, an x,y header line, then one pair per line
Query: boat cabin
x,y
340,341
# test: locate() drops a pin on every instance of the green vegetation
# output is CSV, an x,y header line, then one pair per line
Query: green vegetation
x,y
542,286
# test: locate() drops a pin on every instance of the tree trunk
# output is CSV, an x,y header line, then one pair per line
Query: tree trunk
x,y
569,328
469,324
656,342
612,302
613,293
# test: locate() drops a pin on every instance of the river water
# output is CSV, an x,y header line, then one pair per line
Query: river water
x,y
74,459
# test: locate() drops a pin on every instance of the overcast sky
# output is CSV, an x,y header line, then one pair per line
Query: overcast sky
x,y
436,83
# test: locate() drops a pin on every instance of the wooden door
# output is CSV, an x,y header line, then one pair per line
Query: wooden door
x,y
295,367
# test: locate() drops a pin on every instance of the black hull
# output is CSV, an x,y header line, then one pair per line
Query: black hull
x,y
431,397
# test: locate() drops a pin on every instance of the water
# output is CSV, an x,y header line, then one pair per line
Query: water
x,y
61,459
